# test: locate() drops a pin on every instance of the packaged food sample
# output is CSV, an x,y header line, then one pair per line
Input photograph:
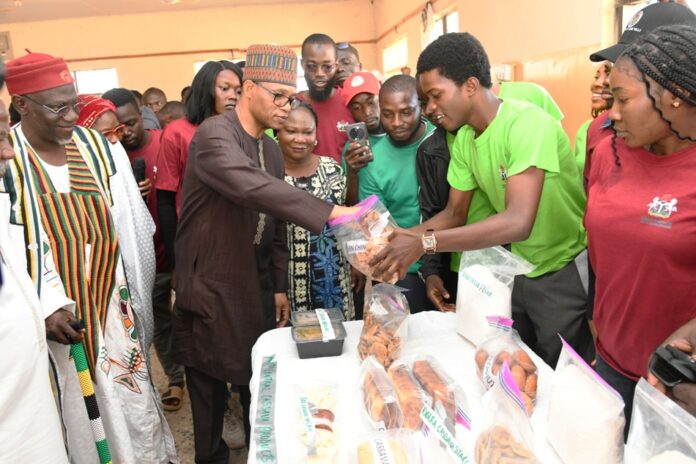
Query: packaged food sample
x,y
505,346
484,291
379,397
385,324
303,318
318,428
447,398
313,342
661,431
411,397
507,433
584,410
364,234
392,447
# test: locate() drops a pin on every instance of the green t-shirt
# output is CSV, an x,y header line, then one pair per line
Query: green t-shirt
x,y
519,137
580,147
480,208
532,93
392,177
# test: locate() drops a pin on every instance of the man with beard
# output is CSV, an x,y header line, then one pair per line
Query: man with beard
x,y
83,229
348,62
319,64
392,174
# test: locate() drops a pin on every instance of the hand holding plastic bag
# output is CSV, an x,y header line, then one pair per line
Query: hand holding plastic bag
x,y
364,234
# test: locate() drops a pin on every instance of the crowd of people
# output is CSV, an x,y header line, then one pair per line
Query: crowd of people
x,y
198,225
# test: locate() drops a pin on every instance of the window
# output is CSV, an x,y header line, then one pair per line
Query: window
x,y
96,80
394,57
447,23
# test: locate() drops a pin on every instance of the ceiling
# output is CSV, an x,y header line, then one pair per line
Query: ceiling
x,y
12,11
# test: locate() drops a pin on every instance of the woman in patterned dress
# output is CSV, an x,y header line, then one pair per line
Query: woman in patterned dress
x,y
319,274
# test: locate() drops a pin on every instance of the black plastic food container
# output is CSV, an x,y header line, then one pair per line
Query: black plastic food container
x,y
310,344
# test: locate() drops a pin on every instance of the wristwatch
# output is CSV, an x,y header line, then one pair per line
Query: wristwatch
x,y
429,242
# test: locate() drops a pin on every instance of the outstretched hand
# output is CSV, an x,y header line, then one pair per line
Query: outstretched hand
x,y
404,249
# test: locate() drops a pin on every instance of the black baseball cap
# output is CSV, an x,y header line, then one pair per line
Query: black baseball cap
x,y
645,21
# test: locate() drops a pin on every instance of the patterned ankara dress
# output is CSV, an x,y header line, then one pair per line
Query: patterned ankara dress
x,y
319,275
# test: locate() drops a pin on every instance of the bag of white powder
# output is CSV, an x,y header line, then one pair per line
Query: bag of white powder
x,y
661,431
485,285
585,422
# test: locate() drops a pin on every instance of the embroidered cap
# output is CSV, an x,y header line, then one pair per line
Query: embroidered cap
x,y
645,21
271,63
36,72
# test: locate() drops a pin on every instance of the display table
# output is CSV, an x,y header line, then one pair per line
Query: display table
x,y
430,333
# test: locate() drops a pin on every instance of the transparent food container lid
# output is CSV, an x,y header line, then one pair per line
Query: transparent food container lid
x,y
312,333
304,318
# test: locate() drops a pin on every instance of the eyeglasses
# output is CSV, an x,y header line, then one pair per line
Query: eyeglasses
x,y
313,67
279,99
115,133
61,110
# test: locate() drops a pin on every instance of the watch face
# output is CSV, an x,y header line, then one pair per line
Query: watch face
x,y
428,242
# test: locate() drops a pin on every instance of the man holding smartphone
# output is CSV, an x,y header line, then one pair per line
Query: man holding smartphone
x,y
361,93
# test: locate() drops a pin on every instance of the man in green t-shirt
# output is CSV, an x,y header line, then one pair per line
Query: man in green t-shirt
x,y
392,174
519,157
361,94
432,163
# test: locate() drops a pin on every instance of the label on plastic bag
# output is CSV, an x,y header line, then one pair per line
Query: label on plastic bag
x,y
355,246
377,228
264,431
327,331
432,421
381,452
308,423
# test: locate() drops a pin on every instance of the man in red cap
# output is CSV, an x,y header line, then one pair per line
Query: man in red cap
x,y
26,389
361,95
87,241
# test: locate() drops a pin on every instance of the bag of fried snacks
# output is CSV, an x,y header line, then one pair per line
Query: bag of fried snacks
x,y
411,397
486,279
584,410
506,346
446,396
507,433
364,234
385,324
379,397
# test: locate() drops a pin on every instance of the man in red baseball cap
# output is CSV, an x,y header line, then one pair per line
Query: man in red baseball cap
x,y
87,237
361,96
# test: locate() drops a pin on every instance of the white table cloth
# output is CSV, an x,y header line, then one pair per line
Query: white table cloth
x,y
430,333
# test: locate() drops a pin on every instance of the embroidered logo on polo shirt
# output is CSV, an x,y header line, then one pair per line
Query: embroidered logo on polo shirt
x,y
503,174
659,209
